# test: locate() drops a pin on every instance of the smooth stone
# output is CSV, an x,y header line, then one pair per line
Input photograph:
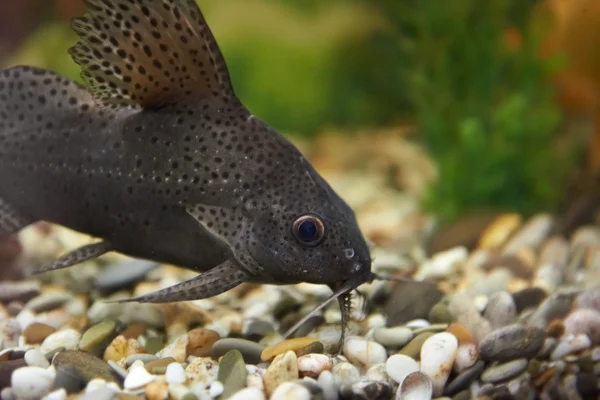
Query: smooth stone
x,y
366,390
232,373
312,348
48,301
441,265
378,373
258,329
135,330
396,336
512,342
464,231
95,339
202,369
311,385
435,328
399,366
294,345
88,367
248,394
569,344
411,300
498,232
21,291
556,306
500,310
145,358
122,372
345,373
121,348
32,383
137,378
312,323
284,368
464,379
122,275
584,320
175,373
200,342
416,386
290,391
589,298
364,353
327,382
530,297
68,378
37,332
503,372
251,351
158,366
312,365
413,348
67,338
35,358
464,311
532,234
440,314
6,369
437,357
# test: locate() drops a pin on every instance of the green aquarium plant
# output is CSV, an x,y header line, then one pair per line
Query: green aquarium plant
x,y
485,112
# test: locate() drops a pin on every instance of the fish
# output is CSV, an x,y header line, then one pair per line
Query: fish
x,y
156,156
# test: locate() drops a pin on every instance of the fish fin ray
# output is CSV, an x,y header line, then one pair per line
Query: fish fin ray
x,y
213,282
12,220
149,53
77,256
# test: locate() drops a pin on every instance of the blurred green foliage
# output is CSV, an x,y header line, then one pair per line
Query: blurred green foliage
x,y
486,114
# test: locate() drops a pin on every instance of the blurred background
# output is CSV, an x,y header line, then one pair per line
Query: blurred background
x,y
467,108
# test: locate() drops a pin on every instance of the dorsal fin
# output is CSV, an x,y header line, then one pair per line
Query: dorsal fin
x,y
149,53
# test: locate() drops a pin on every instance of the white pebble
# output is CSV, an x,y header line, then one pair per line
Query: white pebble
x,y
327,382
345,373
32,382
137,378
313,364
7,394
442,264
60,394
437,356
175,373
400,366
178,391
25,318
216,389
248,394
466,356
35,358
100,384
364,353
290,391
416,386
378,373
417,323
570,344
67,338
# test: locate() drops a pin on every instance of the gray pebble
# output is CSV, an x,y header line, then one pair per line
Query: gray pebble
x,y
122,372
550,344
511,342
258,329
68,378
251,351
232,373
48,301
312,385
464,380
145,358
556,306
310,324
87,366
411,300
500,310
366,390
462,308
589,298
21,291
435,328
528,298
503,372
121,275
396,336
532,234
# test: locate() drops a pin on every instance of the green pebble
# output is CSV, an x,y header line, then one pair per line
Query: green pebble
x,y
440,314
97,337
232,373
154,344
413,348
464,395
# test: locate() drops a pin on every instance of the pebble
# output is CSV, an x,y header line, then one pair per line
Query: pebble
x,y
327,383
589,298
345,373
441,264
312,365
36,332
98,336
498,232
137,378
413,348
284,368
511,342
313,348
503,372
294,345
60,394
532,234
121,348
202,369
251,351
67,338
440,314
416,386
366,390
468,351
437,356
175,373
584,320
528,298
32,383
258,329
500,310
464,311
123,274
157,366
145,358
87,366
68,379
399,366
290,391
35,358
232,372
48,301
248,394
465,378
378,373
216,389
570,344
411,300
556,306
201,341
177,349
364,353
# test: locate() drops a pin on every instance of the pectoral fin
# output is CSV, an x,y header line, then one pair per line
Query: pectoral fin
x,y
77,256
211,283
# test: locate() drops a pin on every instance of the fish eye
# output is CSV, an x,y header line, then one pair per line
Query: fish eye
x,y
309,230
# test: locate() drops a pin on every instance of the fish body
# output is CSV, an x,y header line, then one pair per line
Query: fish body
x,y
157,157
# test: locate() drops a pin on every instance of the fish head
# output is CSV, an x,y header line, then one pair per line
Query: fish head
x,y
301,230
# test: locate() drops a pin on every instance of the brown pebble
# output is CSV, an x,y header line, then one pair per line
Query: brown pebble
x,y
133,331
555,329
37,332
462,334
200,342
540,380
157,390
313,348
159,366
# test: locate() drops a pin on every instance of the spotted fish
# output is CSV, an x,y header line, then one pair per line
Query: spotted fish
x,y
158,158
